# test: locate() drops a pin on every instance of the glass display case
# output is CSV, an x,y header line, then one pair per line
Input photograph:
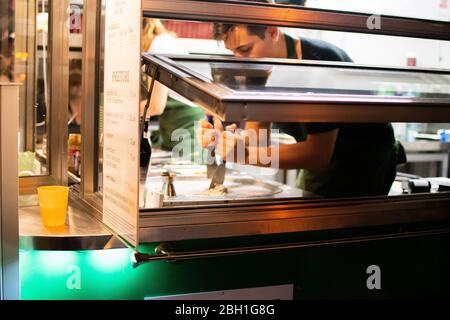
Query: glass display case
x,y
234,90
237,90
240,89
263,230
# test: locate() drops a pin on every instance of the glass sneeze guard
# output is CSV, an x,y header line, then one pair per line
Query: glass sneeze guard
x,y
238,88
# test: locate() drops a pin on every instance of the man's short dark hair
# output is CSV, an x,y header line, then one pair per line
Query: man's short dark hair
x,y
221,30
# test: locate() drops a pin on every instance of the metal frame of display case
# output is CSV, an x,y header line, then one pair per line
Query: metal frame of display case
x,y
285,216
58,93
278,216
9,224
89,123
88,191
293,16
12,112
231,105
282,216
27,92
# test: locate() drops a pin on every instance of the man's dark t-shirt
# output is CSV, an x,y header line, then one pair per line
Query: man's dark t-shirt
x,y
364,157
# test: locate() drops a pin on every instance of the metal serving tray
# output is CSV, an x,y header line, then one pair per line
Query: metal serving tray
x,y
191,190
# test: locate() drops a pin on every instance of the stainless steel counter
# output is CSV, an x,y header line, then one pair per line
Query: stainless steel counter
x,y
426,146
191,189
81,231
429,152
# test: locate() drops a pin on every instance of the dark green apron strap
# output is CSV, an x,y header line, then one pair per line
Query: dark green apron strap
x,y
290,47
400,153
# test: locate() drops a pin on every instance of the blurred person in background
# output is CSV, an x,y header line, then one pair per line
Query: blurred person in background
x,y
75,96
6,56
172,110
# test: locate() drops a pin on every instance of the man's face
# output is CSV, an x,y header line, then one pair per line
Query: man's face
x,y
75,91
245,44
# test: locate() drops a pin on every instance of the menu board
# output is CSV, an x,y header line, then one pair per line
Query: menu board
x,y
121,117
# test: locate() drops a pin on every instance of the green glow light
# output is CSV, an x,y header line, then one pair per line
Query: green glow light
x,y
111,260
56,261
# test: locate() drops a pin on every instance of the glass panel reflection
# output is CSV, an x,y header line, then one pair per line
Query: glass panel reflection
x,y
438,10
75,89
267,78
24,28
42,80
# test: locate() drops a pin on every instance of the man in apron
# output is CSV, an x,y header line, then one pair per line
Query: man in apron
x,y
172,111
337,159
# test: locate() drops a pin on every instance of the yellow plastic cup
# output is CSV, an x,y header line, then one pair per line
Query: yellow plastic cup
x,y
53,204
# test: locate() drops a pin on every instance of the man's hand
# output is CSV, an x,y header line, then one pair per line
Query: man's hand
x,y
231,146
207,134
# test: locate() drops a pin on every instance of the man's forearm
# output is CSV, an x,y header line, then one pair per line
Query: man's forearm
x,y
288,156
